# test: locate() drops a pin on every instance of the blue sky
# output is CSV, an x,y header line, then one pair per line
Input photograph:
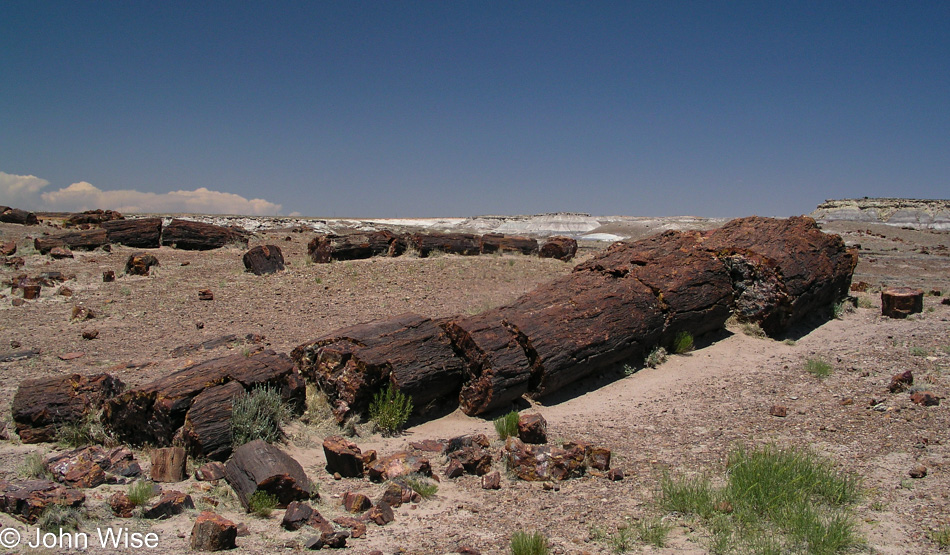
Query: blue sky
x,y
412,109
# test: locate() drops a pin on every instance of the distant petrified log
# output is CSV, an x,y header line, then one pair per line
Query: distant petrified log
x,y
901,302
188,235
154,412
264,259
408,351
465,244
42,405
88,239
326,248
145,233
260,466
561,248
16,216
92,217
498,243
140,264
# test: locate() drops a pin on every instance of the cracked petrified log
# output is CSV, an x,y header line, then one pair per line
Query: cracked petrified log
x,y
207,428
144,233
261,466
498,243
28,500
408,351
16,216
264,259
88,239
466,244
189,235
354,246
154,413
42,405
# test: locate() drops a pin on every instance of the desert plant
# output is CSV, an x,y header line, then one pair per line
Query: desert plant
x,y
623,540
390,410
425,487
682,343
918,351
840,308
56,518
753,329
84,431
507,425
523,543
818,367
261,503
653,531
865,302
140,492
656,357
258,414
941,537
34,467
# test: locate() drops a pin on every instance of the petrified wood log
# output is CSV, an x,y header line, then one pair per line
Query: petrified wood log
x,y
42,405
343,457
168,464
26,501
260,466
213,532
207,428
326,248
561,248
92,217
154,412
88,239
465,244
145,233
496,242
16,216
264,259
188,235
901,302
408,351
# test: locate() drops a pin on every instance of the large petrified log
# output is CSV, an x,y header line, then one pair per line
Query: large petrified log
x,y
264,259
16,216
207,428
326,248
261,466
465,244
144,233
42,405
154,412
88,239
498,243
409,351
189,235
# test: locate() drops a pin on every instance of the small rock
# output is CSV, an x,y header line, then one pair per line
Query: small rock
x,y
296,516
335,540
846,401
242,530
31,291
213,533
599,458
356,502
121,505
615,475
900,382
343,457
168,464
382,514
454,469
925,398
213,470
779,411
170,503
108,276
64,291
80,312
533,428
918,471
8,248
492,480
200,325
16,301
357,528
71,356
140,264
205,295
60,252
90,334
396,494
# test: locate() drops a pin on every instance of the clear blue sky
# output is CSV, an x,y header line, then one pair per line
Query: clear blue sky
x,y
455,108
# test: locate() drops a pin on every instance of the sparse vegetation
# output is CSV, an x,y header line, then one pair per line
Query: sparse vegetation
x,y
425,487
653,531
57,518
865,302
656,357
261,503
683,343
523,543
390,410
818,367
790,342
941,536
918,351
34,467
140,492
87,430
507,425
258,414
623,540
774,501
840,308
753,329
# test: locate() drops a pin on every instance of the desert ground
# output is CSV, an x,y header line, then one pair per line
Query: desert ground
x,y
683,416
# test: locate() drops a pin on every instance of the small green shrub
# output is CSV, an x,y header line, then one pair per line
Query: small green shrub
x,y
656,357
87,430
790,342
753,329
425,487
918,351
258,414
818,368
865,302
34,467
623,540
523,543
683,343
390,410
629,370
507,425
840,308
653,531
941,537
261,503
57,518
140,492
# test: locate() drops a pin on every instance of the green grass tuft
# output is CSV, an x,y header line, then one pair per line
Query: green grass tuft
x,y
425,487
140,492
261,503
87,430
682,343
507,425
34,468
753,329
918,351
653,531
258,414
523,543
941,537
57,518
390,410
818,368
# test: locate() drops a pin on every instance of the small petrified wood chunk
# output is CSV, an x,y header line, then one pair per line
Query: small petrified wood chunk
x,y
140,263
343,457
264,259
901,302
561,248
213,532
260,466
168,464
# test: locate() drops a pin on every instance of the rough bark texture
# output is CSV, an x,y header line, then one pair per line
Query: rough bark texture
x,y
42,405
88,239
326,248
264,259
140,264
207,428
188,235
92,217
561,248
465,244
498,243
26,501
145,233
213,533
260,466
901,302
168,464
154,412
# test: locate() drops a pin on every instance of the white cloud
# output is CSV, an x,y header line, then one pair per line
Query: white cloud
x,y
20,191
85,196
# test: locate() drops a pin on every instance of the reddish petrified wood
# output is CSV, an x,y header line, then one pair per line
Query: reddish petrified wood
x,y
144,233
901,302
465,244
76,240
188,235
154,412
26,501
561,248
213,532
260,466
326,248
168,464
207,428
498,243
264,259
140,264
42,405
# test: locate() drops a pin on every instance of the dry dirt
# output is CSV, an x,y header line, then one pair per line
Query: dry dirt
x,y
683,416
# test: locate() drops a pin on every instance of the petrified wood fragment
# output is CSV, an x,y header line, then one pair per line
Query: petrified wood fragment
x,y
561,248
188,235
207,428
42,405
140,264
213,532
498,243
168,464
901,302
260,466
26,501
264,259
92,217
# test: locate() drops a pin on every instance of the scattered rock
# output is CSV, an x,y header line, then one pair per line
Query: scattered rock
x,y
382,514
90,334
213,533
474,459
357,527
901,302
170,503
168,464
454,469
492,480
599,458
108,276
538,463
779,411
60,252
615,475
64,291
27,500
19,355
31,292
396,494
266,259
296,516
428,445
343,457
88,467
81,313
356,502
901,382
121,505
918,471
140,264
205,295
8,248
860,286
532,428
71,356
925,398
210,471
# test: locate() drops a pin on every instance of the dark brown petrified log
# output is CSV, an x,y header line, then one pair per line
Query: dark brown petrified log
x,y
561,248
326,248
92,217
465,244
264,259
88,239
496,242
16,216
901,302
188,235
261,466
42,405
207,428
144,233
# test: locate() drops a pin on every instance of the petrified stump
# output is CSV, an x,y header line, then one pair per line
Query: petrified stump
x,y
42,405
27,500
77,240
465,244
901,302
326,248
213,533
168,464
145,233
154,412
561,248
498,243
260,466
188,235
140,263
264,259
16,216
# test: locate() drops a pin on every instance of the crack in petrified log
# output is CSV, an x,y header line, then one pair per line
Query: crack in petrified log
x,y
611,309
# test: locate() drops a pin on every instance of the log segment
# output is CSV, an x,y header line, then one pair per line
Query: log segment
x,y
901,302
188,235
497,243
561,248
88,239
145,233
16,216
260,466
326,248
42,405
465,244
264,259
92,218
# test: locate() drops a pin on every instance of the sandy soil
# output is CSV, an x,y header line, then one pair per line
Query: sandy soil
x,y
683,416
